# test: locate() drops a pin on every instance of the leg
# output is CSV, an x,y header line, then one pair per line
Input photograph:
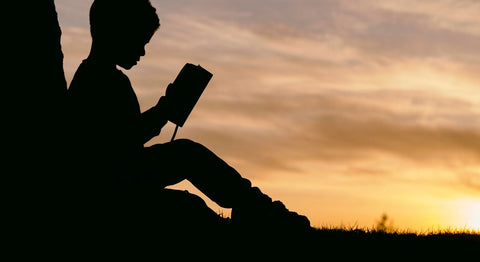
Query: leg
x,y
182,211
184,159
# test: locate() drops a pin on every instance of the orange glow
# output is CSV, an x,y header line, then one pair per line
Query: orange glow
x,y
342,117
468,213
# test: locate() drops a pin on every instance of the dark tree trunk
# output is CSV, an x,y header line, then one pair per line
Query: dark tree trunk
x,y
33,122
36,89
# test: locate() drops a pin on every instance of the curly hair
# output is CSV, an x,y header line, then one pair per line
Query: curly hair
x,y
109,17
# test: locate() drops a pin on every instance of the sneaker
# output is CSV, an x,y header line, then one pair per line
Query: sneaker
x,y
260,213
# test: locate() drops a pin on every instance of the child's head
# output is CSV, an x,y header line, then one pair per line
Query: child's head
x,y
123,28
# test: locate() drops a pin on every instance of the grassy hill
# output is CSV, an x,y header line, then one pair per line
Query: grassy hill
x,y
326,244
338,244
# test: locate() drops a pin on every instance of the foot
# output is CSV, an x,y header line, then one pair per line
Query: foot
x,y
259,212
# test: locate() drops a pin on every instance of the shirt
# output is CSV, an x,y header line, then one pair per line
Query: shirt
x,y
108,129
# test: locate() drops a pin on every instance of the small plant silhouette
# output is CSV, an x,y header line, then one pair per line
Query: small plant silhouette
x,y
385,224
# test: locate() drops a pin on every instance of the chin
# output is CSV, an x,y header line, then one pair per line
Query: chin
x,y
127,63
127,66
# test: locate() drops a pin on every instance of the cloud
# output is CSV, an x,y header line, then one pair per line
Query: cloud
x,y
348,132
325,86
471,178
284,97
342,110
453,15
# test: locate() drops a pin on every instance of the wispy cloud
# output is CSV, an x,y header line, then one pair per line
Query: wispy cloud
x,y
324,86
369,90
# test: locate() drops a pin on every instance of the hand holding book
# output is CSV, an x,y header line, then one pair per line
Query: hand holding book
x,y
182,95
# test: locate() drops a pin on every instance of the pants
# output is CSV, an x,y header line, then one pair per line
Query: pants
x,y
170,163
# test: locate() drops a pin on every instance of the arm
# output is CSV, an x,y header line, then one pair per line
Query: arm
x,y
153,120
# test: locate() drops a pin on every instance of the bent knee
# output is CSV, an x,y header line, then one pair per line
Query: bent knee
x,y
188,145
182,142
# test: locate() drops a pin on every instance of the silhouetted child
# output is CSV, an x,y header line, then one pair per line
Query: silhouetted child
x,y
109,130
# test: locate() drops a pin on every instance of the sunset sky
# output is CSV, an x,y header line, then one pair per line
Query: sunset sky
x,y
343,110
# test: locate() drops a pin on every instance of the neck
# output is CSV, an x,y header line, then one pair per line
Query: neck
x,y
101,54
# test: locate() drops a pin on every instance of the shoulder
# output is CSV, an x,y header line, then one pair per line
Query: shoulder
x,y
97,72
97,77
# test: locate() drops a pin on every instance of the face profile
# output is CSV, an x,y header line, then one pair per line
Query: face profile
x,y
129,51
120,30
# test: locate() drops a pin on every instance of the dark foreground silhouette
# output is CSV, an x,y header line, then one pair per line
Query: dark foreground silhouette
x,y
55,205
77,166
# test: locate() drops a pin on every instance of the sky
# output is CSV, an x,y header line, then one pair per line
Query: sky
x,y
343,110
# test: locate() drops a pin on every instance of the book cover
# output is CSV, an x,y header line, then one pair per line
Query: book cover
x,y
187,89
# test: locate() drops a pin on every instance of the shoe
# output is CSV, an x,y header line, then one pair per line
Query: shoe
x,y
259,213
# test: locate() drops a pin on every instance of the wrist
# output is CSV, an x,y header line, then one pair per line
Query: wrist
x,y
162,107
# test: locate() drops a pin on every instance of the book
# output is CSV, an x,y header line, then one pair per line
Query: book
x,y
185,92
